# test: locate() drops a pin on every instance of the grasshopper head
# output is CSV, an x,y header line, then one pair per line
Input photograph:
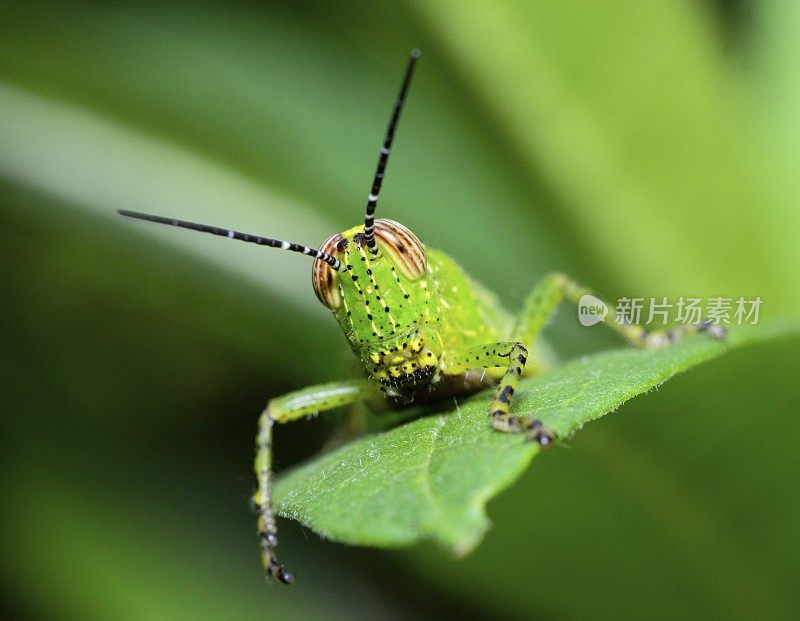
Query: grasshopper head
x,y
374,278
385,303
380,289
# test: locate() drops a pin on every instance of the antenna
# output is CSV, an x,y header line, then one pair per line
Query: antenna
x,y
231,234
369,218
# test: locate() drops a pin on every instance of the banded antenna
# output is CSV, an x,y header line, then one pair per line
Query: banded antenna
x,y
372,201
231,234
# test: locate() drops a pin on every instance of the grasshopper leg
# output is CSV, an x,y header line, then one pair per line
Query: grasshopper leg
x,y
554,288
513,356
289,407
540,305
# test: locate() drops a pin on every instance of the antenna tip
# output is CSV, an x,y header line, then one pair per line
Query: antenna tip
x,y
415,53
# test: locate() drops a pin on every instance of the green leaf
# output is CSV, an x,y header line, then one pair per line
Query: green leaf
x,y
431,478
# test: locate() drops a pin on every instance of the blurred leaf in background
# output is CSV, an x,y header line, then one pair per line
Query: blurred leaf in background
x,y
645,148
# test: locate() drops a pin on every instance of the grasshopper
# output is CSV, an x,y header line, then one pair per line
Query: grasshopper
x,y
419,325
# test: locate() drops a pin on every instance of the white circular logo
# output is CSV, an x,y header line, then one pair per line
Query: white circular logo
x,y
591,310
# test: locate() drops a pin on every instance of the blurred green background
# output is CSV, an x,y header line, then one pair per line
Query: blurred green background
x,y
647,148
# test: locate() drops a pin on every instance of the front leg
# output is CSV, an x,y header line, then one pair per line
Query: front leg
x,y
283,409
513,356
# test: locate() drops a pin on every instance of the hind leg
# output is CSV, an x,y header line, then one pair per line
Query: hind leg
x,y
554,288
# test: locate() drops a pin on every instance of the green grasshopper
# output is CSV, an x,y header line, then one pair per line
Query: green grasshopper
x,y
420,326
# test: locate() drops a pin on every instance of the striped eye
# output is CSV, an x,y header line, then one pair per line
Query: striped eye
x,y
402,245
324,277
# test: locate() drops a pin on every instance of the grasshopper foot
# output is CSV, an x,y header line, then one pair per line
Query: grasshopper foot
x,y
272,566
533,428
279,573
714,330
537,432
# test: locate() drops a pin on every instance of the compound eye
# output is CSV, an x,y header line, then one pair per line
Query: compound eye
x,y
402,246
324,277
